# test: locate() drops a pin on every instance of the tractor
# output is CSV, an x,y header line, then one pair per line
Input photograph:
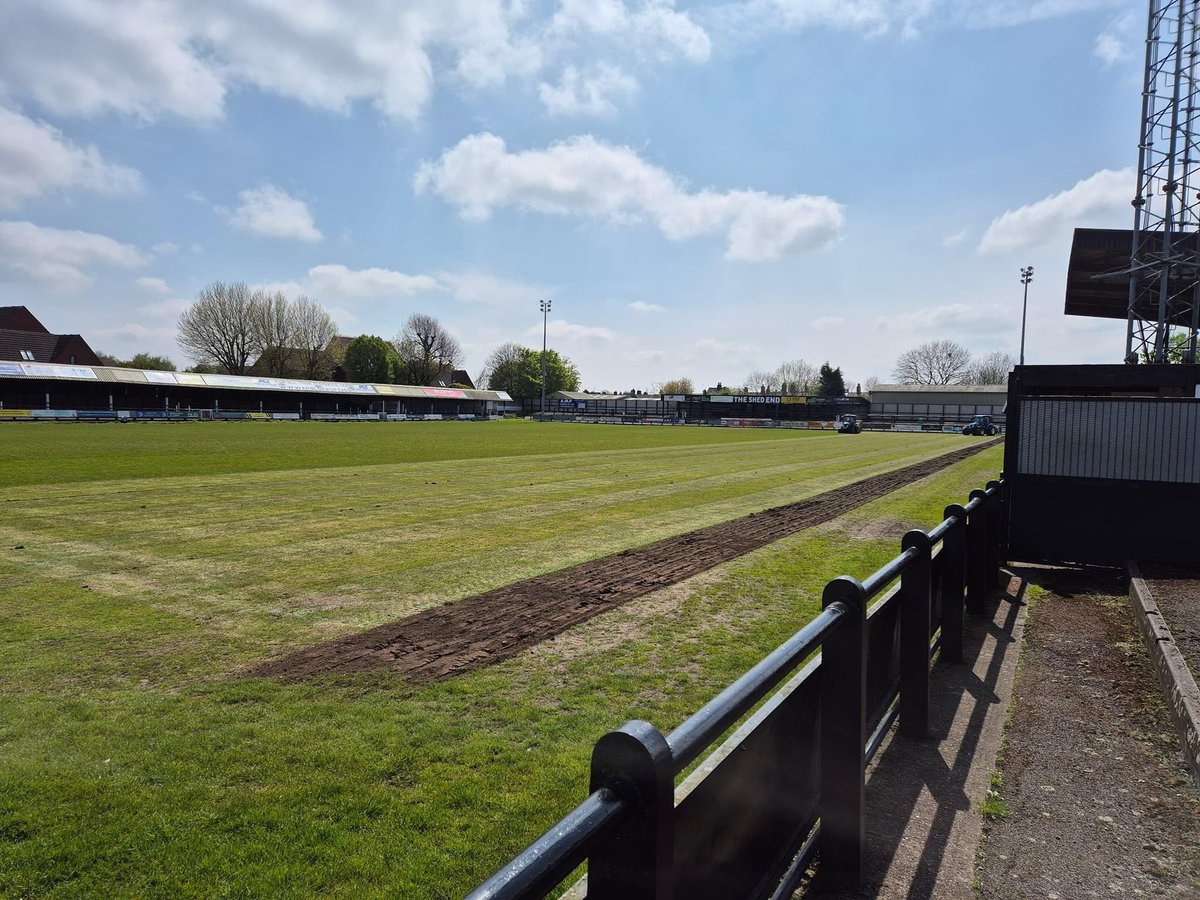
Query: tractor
x,y
850,424
981,425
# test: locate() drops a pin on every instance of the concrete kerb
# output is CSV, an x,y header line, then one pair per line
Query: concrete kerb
x,y
1178,682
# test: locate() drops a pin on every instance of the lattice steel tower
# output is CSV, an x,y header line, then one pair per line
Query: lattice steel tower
x,y
1164,273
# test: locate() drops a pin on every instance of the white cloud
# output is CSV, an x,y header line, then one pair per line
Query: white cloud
x,y
958,237
714,346
346,321
136,333
268,211
165,248
332,282
1101,199
595,93
583,176
641,307
90,56
827,323
655,27
36,159
59,258
1113,44
165,309
153,285
561,329
961,318
150,57
339,281
479,287
905,18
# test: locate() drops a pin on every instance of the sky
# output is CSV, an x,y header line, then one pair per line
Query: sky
x,y
700,189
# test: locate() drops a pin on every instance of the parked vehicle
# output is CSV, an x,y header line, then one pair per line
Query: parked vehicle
x,y
981,425
850,424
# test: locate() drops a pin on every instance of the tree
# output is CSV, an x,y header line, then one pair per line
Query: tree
x,y
370,359
992,368
425,349
761,382
502,368
561,374
1177,348
871,383
152,362
677,386
314,331
219,327
831,383
797,376
274,321
934,362
139,361
517,370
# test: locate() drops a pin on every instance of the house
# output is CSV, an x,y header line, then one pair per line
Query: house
x,y
24,338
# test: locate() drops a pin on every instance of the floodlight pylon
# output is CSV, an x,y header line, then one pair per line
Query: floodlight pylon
x,y
1164,271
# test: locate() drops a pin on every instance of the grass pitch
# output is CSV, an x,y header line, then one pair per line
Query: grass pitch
x,y
157,563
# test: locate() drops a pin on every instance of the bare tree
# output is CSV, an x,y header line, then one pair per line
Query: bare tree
x,y
761,382
797,376
992,368
219,327
274,319
934,362
314,331
501,370
426,348
871,383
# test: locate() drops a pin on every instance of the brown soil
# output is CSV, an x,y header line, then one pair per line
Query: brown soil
x,y
1176,591
1099,802
488,628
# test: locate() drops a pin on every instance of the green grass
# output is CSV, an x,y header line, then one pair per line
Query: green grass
x,y
134,759
108,452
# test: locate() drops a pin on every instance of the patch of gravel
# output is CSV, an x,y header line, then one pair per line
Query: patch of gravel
x,y
1099,802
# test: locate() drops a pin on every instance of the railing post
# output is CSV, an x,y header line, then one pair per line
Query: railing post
x,y
996,538
634,860
954,575
914,637
977,554
844,737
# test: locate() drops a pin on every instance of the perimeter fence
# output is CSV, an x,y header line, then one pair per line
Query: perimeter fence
x,y
788,787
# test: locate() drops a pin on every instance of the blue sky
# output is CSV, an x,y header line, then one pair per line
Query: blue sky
x,y
701,189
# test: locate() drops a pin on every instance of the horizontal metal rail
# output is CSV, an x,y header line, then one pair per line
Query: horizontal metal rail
x,y
709,722
889,572
967,542
542,865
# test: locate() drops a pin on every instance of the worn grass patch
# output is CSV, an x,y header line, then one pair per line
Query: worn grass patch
x,y
135,761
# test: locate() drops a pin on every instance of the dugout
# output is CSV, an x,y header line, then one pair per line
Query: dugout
x,y
1101,463
39,388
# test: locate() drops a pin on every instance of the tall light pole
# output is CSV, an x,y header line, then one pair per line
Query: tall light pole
x,y
1026,277
544,306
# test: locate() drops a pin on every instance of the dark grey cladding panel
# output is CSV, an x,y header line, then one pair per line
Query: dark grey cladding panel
x,y
1130,439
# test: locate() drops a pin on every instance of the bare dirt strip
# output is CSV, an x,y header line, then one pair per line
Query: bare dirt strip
x,y
491,627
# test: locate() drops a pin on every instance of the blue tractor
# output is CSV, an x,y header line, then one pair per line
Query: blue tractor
x,y
981,425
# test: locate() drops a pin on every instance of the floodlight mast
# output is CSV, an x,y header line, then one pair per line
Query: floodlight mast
x,y
1164,281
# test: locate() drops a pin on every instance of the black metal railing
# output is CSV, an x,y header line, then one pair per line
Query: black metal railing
x,y
789,785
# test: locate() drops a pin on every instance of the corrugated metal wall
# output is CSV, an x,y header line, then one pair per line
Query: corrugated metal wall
x,y
1132,439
